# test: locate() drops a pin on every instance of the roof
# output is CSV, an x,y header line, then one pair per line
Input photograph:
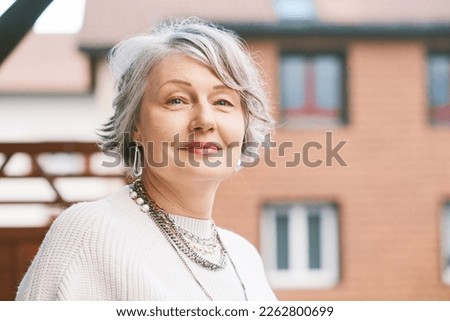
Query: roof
x,y
383,11
46,63
108,21
385,30
52,63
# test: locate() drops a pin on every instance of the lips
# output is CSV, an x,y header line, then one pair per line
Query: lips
x,y
202,148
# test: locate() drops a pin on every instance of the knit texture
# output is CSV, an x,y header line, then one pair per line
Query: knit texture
x,y
110,250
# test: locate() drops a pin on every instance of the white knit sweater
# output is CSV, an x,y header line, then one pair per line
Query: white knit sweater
x,y
110,250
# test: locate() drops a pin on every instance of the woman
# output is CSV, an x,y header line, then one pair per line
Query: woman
x,y
189,105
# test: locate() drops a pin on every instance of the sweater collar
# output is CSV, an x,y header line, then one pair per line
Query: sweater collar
x,y
198,227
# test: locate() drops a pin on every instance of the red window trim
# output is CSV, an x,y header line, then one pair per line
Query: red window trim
x,y
441,112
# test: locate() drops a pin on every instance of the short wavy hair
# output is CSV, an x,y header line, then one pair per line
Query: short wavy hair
x,y
132,60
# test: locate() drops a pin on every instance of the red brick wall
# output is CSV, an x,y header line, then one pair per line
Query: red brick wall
x,y
390,196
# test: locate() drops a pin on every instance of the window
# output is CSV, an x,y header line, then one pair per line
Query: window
x,y
300,245
439,88
445,244
312,89
295,9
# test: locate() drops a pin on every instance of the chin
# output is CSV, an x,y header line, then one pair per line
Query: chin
x,y
204,172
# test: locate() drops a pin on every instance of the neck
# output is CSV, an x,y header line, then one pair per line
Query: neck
x,y
189,199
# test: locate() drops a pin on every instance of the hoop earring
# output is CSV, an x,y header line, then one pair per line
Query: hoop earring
x,y
137,169
237,168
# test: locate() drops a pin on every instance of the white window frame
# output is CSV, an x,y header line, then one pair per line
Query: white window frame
x,y
299,275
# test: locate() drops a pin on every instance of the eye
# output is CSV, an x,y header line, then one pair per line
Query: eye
x,y
175,101
224,102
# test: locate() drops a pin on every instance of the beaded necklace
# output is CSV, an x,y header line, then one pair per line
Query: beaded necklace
x,y
183,241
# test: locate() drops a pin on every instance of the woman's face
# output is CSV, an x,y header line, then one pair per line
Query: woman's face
x,y
190,124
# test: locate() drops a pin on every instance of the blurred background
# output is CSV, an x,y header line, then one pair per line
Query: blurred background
x,y
364,215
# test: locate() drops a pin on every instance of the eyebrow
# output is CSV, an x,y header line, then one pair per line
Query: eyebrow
x,y
179,81
186,83
221,87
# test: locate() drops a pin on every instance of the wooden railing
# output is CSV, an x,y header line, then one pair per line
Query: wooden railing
x,y
33,150
19,245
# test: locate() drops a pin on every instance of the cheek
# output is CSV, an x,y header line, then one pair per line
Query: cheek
x,y
161,127
157,144
156,133
238,128
234,132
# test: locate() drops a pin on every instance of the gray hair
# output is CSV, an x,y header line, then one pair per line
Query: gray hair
x,y
133,59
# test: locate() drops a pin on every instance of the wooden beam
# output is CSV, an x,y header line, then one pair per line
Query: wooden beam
x,y
17,21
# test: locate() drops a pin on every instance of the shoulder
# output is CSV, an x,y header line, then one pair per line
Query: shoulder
x,y
93,211
91,224
61,245
77,220
82,219
82,230
75,223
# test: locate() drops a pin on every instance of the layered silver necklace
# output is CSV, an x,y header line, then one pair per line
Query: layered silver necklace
x,y
183,241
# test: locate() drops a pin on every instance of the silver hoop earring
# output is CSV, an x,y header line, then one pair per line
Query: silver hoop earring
x,y
137,169
237,168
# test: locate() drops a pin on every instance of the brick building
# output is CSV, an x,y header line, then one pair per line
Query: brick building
x,y
367,79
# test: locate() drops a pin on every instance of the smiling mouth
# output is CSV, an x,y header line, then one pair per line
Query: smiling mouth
x,y
202,148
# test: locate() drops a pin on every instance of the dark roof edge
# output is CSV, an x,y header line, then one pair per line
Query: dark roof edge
x,y
305,29
298,28
97,51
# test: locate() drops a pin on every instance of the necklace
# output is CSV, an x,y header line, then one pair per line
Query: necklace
x,y
200,245
183,241
169,228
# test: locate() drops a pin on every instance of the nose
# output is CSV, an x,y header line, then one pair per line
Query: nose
x,y
202,119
